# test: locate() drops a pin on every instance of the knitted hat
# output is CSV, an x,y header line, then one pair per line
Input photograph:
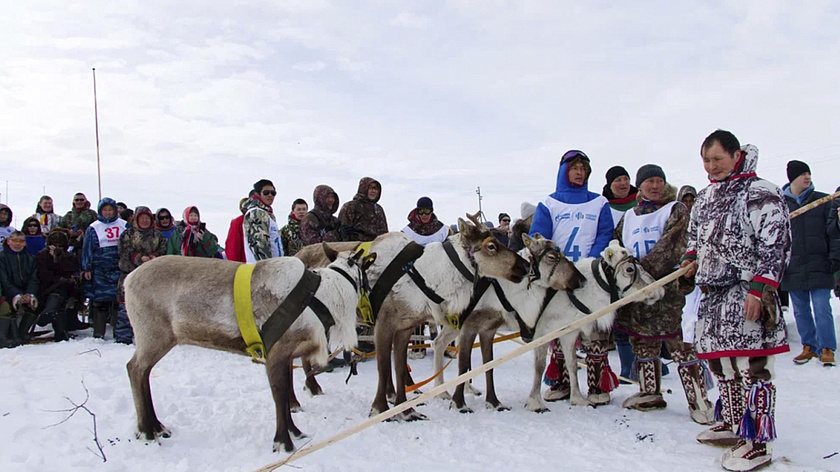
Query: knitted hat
x,y
616,172
527,209
503,215
647,171
795,169
425,202
58,238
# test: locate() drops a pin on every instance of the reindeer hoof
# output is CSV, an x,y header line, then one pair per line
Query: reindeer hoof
x,y
295,408
445,396
411,415
461,408
472,390
299,434
279,446
536,406
497,407
580,401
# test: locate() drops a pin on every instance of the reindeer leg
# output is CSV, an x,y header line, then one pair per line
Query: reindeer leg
x,y
567,343
139,368
279,379
384,341
535,401
486,339
294,404
400,367
465,338
311,384
446,336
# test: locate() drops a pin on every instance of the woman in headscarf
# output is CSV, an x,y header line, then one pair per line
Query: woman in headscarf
x,y
191,237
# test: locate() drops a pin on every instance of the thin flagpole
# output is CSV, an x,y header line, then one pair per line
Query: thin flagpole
x,y
96,118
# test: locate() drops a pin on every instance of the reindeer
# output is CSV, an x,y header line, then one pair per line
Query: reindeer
x,y
622,275
408,305
189,300
549,269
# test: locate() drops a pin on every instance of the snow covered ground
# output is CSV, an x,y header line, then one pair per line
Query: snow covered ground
x,y
220,411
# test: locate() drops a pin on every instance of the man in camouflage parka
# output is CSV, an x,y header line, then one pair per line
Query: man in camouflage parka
x,y
259,227
319,225
363,217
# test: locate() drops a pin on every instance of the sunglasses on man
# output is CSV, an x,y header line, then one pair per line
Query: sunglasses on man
x,y
424,212
269,192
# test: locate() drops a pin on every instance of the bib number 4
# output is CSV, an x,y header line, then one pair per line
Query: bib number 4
x,y
572,250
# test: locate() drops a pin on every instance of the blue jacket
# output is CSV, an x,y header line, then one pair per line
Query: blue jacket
x,y
102,262
567,193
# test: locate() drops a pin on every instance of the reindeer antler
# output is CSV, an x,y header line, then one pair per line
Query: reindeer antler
x,y
474,218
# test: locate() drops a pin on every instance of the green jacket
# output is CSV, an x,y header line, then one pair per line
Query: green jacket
x,y
208,247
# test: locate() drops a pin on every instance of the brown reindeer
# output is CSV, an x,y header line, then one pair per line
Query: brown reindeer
x,y
189,300
407,306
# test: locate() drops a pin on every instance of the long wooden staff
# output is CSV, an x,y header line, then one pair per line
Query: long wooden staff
x,y
474,373
814,204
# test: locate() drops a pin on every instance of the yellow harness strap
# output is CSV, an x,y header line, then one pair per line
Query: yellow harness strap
x,y
245,311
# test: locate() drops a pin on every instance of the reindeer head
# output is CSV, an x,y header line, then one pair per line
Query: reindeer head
x,y
550,265
492,258
629,275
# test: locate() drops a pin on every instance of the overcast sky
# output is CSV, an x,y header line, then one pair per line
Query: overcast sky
x,y
199,99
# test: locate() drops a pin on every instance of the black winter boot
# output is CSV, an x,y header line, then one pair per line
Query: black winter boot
x,y
60,333
100,315
7,327
26,323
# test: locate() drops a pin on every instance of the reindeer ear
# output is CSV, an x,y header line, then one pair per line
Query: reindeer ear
x,y
611,252
463,226
368,261
527,240
538,237
358,255
331,253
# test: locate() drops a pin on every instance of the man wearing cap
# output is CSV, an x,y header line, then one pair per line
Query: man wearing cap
x,y
580,222
814,257
619,192
738,247
656,232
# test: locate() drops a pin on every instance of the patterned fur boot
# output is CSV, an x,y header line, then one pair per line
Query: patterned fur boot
x,y
757,428
691,376
600,379
557,376
650,383
730,406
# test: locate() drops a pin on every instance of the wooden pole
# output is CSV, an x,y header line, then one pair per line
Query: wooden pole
x,y
814,204
96,121
474,373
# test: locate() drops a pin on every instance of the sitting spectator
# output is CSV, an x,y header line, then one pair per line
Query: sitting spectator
x,y
502,232
423,225
78,219
19,283
58,278
320,224
34,238
363,218
100,265
164,222
6,227
138,244
45,215
290,234
191,237
259,227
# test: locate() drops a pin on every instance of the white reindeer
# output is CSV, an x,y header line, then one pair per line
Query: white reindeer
x,y
549,269
189,300
406,306
627,277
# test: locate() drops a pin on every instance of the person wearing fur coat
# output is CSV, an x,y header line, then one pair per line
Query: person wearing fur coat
x,y
320,224
738,247
656,232
580,223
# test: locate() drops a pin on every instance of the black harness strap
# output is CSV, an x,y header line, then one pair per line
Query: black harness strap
x,y
577,303
346,276
411,252
478,291
322,312
609,285
421,283
290,309
456,261
525,332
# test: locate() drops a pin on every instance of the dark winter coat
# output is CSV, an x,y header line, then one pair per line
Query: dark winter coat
x,y
56,273
78,220
519,228
34,243
103,262
290,235
664,318
134,244
206,246
834,227
319,225
6,228
364,218
18,274
165,230
815,247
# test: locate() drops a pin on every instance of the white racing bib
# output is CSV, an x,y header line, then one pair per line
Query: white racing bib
x,y
575,226
641,232
109,233
438,237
